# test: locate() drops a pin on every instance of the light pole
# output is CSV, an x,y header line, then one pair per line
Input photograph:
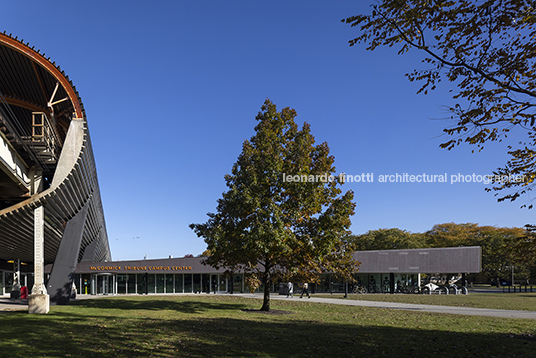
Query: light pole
x,y
512,274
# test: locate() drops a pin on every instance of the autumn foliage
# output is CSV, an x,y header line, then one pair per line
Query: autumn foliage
x,y
273,229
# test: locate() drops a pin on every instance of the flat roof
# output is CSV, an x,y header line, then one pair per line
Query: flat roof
x,y
436,260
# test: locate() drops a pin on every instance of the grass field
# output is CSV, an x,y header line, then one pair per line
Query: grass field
x,y
503,301
221,326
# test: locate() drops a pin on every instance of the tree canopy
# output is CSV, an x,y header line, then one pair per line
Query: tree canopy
x,y
388,239
283,215
501,247
487,50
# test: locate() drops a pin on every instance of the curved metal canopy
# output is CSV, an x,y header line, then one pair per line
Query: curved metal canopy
x,y
32,86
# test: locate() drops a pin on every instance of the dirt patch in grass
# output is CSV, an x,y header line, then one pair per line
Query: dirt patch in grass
x,y
270,312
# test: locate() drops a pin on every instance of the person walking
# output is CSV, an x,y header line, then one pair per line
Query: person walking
x,y
305,290
290,289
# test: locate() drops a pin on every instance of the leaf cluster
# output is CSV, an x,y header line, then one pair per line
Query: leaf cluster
x,y
487,50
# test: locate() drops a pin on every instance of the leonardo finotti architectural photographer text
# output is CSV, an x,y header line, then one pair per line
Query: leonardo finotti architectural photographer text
x,y
405,178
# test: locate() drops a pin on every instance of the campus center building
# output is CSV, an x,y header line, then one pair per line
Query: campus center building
x,y
386,271
50,203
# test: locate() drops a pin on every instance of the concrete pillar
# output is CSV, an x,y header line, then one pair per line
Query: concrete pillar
x,y
392,282
39,301
15,288
36,180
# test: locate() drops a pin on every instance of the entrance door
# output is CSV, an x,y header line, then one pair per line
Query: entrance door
x,y
214,283
218,283
104,284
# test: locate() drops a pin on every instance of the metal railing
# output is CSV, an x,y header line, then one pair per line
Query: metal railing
x,y
514,289
43,132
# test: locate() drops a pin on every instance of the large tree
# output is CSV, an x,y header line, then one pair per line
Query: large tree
x,y
283,215
487,50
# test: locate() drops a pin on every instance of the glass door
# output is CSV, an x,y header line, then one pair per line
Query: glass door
x,y
105,284
214,283
218,283
223,283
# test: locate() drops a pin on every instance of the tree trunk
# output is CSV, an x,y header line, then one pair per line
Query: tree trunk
x,y
266,281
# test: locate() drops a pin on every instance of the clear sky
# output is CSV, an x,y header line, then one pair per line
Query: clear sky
x,y
171,90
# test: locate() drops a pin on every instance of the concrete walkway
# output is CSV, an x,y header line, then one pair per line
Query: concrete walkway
x,y
7,304
407,306
16,305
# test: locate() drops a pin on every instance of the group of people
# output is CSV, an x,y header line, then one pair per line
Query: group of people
x,y
290,290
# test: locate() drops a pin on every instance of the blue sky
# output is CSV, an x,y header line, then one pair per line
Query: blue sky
x,y
171,90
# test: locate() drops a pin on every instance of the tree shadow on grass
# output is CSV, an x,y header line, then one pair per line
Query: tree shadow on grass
x,y
188,305
64,333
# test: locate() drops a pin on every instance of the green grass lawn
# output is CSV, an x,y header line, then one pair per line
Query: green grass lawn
x,y
503,301
218,326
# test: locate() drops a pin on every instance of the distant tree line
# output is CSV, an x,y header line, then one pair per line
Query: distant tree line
x,y
502,248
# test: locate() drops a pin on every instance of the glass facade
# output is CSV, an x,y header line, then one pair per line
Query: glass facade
x,y
188,283
197,282
205,283
121,283
169,283
151,283
140,283
222,287
160,283
238,283
131,283
179,279
8,281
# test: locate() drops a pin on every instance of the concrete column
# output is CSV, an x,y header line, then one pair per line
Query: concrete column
x,y
36,180
39,301
392,282
15,289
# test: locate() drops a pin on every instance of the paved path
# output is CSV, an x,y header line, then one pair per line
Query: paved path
x,y
14,305
7,304
410,307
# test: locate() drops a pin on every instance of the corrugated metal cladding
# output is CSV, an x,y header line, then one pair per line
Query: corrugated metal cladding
x,y
437,260
442,260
